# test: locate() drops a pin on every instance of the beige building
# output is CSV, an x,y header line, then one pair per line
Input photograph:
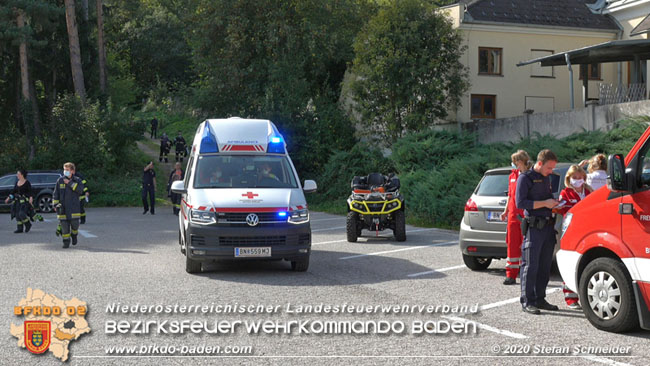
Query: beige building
x,y
499,34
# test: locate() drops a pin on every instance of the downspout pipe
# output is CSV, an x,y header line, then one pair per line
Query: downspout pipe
x,y
568,63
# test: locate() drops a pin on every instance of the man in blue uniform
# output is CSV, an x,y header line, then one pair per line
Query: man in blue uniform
x,y
535,196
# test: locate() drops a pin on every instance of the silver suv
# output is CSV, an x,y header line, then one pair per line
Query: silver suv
x,y
482,233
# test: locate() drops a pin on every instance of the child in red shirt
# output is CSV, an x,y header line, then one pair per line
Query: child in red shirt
x,y
576,189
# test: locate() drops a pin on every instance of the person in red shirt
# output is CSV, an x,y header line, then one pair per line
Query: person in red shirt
x,y
520,163
576,189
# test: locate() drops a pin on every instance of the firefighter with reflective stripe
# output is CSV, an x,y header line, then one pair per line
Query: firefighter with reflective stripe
x,y
176,174
576,189
535,197
83,199
179,141
520,162
66,195
22,197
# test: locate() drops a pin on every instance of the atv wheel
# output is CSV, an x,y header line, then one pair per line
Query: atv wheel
x,y
351,226
400,226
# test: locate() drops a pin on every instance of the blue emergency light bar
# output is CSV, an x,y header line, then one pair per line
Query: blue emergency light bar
x,y
276,146
282,214
208,141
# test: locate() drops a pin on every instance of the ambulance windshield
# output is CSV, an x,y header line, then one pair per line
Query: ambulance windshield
x,y
242,171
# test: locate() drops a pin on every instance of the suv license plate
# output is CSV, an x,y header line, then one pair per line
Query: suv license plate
x,y
253,252
494,216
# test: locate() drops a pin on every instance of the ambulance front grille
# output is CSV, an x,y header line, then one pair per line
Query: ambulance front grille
x,y
252,240
240,217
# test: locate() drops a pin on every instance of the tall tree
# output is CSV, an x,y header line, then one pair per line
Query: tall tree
x,y
75,50
408,70
101,48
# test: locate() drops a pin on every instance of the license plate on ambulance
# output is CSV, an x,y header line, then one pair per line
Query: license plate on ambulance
x,y
494,216
253,252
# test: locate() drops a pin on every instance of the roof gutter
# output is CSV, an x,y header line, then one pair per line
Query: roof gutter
x,y
523,25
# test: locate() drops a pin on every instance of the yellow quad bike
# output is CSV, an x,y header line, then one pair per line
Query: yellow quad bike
x,y
375,204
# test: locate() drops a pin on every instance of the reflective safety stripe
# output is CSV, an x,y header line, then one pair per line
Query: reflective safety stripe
x,y
82,197
62,185
84,181
25,221
74,232
177,206
60,217
513,259
65,236
568,294
511,265
83,214
55,202
75,215
74,186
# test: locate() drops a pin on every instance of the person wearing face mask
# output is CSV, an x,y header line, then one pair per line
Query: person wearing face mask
x,y
266,171
597,168
176,174
179,141
576,190
520,162
65,199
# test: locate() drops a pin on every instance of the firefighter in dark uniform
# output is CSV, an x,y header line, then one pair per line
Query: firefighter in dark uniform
x,y
165,145
535,197
83,199
21,207
176,174
149,188
180,147
66,200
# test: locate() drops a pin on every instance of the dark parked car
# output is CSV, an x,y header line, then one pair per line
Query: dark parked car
x,y
43,182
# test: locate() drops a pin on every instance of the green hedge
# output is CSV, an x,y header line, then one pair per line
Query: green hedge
x,y
439,170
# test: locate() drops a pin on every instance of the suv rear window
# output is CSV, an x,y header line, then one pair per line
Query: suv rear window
x,y
494,185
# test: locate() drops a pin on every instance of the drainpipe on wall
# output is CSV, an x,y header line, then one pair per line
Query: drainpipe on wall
x,y
568,63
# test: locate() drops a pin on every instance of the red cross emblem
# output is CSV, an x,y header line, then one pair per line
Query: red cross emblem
x,y
250,195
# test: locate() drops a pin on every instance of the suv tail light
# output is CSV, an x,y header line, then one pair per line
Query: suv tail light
x,y
471,205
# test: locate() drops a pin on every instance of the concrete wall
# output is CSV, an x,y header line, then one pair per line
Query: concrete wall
x,y
558,124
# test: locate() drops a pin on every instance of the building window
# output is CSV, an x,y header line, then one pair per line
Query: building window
x,y
593,71
537,70
484,106
489,61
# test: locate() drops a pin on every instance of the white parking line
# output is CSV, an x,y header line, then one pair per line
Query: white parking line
x,y
488,328
329,228
330,242
437,270
514,299
86,234
400,250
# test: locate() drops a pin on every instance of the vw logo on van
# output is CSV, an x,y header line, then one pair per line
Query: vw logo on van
x,y
252,219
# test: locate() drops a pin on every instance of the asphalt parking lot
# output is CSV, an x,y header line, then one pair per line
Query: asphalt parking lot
x,y
128,258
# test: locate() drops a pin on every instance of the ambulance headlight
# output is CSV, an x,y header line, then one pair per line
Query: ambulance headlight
x,y
299,216
202,217
566,223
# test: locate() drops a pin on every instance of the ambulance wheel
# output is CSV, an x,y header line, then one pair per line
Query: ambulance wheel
x,y
400,226
300,265
180,242
476,263
352,227
607,296
192,266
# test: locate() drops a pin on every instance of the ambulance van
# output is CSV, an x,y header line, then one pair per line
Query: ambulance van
x,y
242,198
605,245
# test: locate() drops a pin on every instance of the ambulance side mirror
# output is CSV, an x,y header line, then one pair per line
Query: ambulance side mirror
x,y
179,187
309,186
616,176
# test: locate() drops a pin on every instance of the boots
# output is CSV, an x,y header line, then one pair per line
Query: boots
x,y
66,243
74,240
19,229
28,226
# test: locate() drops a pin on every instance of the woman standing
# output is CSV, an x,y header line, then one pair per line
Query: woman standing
x,y
23,199
576,190
520,162
176,174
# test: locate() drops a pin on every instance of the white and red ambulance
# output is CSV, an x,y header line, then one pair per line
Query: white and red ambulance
x,y
242,198
605,245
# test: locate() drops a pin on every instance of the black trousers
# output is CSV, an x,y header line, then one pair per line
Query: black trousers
x,y
148,190
536,260
179,155
163,153
154,131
